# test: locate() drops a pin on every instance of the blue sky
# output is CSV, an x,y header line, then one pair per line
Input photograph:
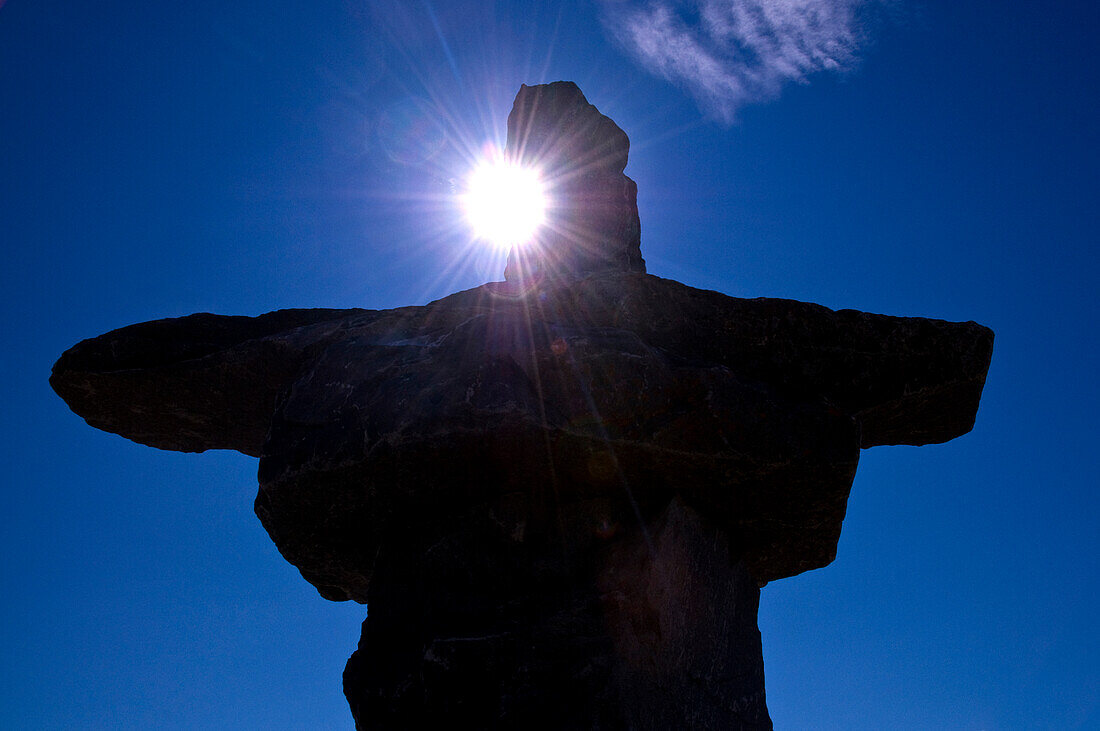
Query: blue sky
x,y
926,158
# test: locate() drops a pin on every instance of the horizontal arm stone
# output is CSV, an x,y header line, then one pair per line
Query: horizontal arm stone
x,y
907,380
193,383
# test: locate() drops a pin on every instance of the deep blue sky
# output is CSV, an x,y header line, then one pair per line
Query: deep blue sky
x,y
158,159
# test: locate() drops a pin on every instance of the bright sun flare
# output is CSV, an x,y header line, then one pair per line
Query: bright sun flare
x,y
505,203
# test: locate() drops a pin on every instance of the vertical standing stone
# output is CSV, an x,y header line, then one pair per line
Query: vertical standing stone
x,y
592,223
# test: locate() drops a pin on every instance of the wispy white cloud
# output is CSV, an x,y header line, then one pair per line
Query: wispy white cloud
x,y
728,53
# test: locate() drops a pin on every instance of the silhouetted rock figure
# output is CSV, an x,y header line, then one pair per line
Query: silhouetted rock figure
x,y
559,494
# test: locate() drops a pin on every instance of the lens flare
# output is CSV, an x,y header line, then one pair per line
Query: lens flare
x,y
505,203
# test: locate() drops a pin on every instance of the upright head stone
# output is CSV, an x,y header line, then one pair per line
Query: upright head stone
x,y
592,221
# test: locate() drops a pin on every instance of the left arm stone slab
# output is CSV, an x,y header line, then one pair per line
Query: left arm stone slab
x,y
194,383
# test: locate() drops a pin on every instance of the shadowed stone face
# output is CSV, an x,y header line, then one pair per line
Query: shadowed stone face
x,y
592,224
558,498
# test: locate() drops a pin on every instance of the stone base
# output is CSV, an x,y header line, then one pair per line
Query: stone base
x,y
661,635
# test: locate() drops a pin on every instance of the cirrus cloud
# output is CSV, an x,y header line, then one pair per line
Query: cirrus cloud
x,y
729,53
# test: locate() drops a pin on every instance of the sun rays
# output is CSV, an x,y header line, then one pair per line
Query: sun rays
x,y
504,202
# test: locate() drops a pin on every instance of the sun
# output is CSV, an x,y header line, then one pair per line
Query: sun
x,y
504,202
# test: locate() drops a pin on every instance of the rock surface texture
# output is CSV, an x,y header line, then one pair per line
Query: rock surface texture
x,y
560,493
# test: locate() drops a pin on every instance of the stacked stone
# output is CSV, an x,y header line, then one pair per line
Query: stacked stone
x,y
560,499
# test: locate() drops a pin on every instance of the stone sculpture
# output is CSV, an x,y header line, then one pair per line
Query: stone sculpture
x,y
561,493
